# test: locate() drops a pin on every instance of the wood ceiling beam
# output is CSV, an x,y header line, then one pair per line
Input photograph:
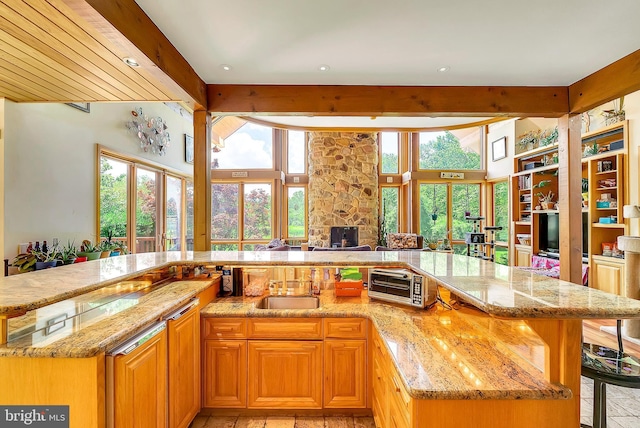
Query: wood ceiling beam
x,y
354,100
613,81
126,25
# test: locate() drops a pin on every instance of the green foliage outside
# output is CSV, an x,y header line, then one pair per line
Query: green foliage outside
x,y
257,214
296,214
224,211
445,152
502,256
113,201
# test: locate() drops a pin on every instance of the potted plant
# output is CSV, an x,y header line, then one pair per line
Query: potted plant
x,y
105,248
89,250
549,137
431,242
68,253
25,262
546,199
46,259
528,140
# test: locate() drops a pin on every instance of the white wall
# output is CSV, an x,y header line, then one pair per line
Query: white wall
x,y
503,167
50,165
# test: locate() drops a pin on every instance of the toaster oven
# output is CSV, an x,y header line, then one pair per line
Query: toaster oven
x,y
402,286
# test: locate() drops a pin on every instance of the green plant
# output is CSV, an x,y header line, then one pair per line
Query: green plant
x,y
106,246
68,252
89,247
548,137
25,262
46,256
541,184
545,197
528,140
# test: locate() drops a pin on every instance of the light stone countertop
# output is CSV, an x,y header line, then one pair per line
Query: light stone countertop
x,y
83,336
440,354
498,290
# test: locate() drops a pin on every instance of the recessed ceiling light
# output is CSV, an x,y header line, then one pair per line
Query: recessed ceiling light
x,y
226,67
131,62
443,69
324,67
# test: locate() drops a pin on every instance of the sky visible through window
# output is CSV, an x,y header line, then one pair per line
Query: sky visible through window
x,y
250,147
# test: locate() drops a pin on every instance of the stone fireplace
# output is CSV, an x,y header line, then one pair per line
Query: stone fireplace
x,y
343,185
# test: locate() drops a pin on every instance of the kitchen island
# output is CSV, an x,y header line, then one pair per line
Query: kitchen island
x,y
505,307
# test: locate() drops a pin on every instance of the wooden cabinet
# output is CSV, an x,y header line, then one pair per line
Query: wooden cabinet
x,y
284,328
606,174
184,368
285,374
140,386
345,373
225,373
523,256
608,274
392,404
345,328
224,328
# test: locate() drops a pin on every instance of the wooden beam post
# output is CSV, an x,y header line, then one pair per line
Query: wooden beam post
x,y
201,180
613,81
360,100
570,200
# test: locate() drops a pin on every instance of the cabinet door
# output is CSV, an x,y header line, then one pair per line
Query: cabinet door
x,y
380,399
608,277
286,375
345,367
225,373
184,368
140,386
523,257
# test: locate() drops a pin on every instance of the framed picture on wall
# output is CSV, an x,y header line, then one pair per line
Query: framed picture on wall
x,y
85,107
499,149
188,148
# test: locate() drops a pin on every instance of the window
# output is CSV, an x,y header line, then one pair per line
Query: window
x,y
296,212
433,211
114,197
296,152
389,208
454,150
250,147
146,211
126,185
224,212
466,202
257,211
389,152
501,210
189,214
173,214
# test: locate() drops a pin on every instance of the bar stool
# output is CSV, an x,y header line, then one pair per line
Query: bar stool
x,y
608,366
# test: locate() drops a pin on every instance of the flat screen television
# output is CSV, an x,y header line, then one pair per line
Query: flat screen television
x,y
349,232
549,228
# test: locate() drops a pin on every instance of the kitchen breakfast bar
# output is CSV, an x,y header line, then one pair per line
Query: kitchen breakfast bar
x,y
501,348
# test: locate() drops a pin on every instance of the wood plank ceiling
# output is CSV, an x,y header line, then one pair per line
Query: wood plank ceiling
x,y
49,53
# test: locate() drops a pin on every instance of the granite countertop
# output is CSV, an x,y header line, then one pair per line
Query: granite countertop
x,y
498,290
440,354
83,337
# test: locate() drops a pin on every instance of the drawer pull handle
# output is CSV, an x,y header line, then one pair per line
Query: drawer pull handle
x,y
224,328
346,328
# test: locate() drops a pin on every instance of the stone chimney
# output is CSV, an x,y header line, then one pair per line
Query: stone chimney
x,y
343,185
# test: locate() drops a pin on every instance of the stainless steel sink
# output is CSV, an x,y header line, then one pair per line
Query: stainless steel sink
x,y
289,302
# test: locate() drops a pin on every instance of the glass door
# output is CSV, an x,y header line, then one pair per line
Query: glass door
x,y
114,196
173,215
146,211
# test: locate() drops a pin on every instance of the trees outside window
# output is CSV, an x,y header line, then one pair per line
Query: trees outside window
x,y
443,150
114,198
296,213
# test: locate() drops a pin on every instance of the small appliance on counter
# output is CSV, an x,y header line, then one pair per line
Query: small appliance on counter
x,y
402,286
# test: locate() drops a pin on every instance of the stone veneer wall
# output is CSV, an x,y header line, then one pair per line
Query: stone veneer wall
x,y
343,185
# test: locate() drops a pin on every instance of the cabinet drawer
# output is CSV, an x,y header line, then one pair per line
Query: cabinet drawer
x,y
224,328
345,328
285,328
399,397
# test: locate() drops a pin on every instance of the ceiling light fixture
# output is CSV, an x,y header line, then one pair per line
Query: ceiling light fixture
x,y
443,69
324,67
226,67
131,62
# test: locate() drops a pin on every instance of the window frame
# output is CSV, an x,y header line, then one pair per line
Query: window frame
x,y
161,171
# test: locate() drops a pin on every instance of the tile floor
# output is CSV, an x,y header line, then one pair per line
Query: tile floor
x,y
623,405
623,411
